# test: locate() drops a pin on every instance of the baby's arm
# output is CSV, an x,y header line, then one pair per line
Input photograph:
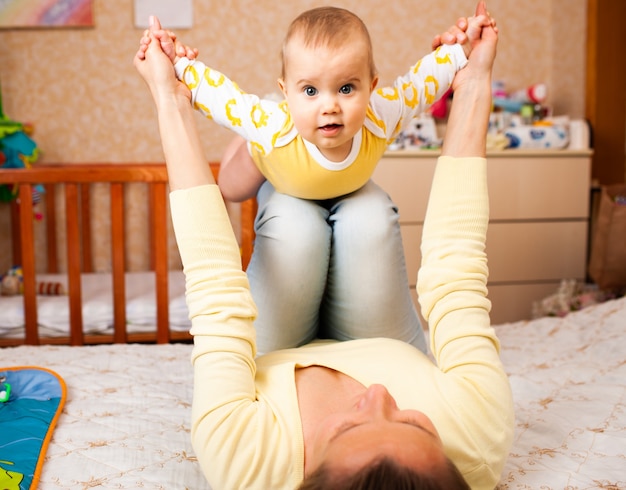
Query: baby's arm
x,y
239,177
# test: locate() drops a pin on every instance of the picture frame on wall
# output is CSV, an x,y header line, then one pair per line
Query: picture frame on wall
x,y
175,14
46,13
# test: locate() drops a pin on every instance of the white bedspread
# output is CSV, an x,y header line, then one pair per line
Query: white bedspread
x,y
126,421
569,384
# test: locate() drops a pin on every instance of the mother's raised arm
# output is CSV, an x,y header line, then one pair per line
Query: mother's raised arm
x,y
217,292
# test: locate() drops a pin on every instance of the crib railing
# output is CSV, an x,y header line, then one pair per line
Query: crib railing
x,y
76,180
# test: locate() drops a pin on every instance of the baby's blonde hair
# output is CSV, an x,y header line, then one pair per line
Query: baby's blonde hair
x,y
329,27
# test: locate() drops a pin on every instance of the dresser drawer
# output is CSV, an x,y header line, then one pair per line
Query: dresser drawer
x,y
536,251
513,302
407,181
411,240
519,251
509,302
539,188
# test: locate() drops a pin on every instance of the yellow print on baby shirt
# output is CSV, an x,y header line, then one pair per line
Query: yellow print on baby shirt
x,y
411,97
234,121
258,116
417,66
204,109
378,122
211,79
430,83
192,78
190,72
283,106
396,131
442,59
258,147
389,93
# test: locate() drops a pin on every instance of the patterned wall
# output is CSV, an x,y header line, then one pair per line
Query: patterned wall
x,y
80,90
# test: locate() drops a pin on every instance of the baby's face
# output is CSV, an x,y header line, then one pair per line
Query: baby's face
x,y
328,91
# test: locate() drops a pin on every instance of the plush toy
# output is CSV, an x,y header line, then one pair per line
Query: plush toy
x,y
12,283
17,150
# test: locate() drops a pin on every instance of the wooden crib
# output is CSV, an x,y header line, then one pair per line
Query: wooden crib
x,y
73,184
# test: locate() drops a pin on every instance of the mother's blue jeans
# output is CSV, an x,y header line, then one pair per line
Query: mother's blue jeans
x,y
330,269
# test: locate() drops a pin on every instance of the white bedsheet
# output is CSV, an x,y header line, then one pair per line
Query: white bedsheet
x,y
96,289
569,385
126,421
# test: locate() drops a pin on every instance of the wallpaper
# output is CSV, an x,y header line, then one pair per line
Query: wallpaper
x,y
79,89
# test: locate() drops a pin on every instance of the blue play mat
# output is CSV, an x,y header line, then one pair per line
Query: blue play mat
x,y
31,400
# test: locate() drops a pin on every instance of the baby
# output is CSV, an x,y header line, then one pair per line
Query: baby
x,y
326,138
326,236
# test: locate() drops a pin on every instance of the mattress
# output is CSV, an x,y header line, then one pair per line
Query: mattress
x,y
96,290
126,419
568,377
125,423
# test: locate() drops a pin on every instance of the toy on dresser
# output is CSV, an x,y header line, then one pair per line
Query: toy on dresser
x,y
12,283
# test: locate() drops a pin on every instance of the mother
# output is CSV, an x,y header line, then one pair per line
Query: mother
x,y
354,413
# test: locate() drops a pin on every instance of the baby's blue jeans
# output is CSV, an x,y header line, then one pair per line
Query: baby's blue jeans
x,y
332,269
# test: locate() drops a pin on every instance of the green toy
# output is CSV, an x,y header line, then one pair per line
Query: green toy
x,y
17,149
5,390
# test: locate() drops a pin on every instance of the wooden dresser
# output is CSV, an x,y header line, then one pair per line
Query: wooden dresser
x,y
539,217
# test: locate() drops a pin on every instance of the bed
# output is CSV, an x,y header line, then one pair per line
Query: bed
x,y
126,420
63,217
125,423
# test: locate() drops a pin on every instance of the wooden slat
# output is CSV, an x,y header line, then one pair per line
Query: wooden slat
x,y
118,257
27,238
159,247
139,337
51,229
248,214
15,234
85,228
73,264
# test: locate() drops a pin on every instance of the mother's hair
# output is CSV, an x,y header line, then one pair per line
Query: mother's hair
x,y
386,473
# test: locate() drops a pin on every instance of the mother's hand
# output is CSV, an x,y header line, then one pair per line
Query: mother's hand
x,y
157,71
482,34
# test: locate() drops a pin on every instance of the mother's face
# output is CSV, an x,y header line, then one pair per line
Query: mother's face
x,y
373,429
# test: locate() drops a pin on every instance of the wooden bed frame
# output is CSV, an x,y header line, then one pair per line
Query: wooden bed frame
x,y
74,181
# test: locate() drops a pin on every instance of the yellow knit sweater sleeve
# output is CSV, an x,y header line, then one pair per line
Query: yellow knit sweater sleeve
x,y
234,434
452,289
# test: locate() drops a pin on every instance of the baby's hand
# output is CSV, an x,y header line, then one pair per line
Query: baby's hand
x,y
475,25
455,34
184,51
467,30
168,41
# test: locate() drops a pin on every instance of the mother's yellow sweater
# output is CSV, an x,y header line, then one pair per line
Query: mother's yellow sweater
x,y
246,427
